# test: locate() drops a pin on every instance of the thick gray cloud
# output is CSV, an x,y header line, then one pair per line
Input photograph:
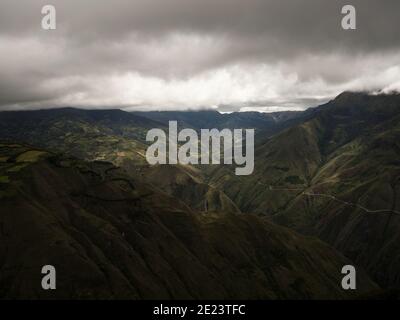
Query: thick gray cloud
x,y
160,54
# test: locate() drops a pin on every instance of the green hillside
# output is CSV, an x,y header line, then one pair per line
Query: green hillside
x,y
103,135
110,236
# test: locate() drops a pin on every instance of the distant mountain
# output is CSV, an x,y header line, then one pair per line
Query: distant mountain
x,y
113,121
109,135
213,119
110,236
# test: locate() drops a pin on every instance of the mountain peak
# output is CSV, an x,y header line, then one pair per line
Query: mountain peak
x,y
361,95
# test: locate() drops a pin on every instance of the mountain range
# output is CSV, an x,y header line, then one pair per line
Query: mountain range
x,y
77,192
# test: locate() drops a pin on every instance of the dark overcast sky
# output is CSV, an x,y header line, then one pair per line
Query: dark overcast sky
x,y
262,55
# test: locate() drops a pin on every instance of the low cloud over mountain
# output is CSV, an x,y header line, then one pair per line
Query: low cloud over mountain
x,y
175,54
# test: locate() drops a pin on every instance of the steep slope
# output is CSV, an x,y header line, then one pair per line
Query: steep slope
x,y
335,176
188,184
353,202
285,161
110,236
291,158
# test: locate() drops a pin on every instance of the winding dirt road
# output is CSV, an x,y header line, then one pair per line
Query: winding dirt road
x,y
312,194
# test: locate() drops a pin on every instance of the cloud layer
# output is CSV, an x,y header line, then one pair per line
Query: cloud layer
x,y
231,55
